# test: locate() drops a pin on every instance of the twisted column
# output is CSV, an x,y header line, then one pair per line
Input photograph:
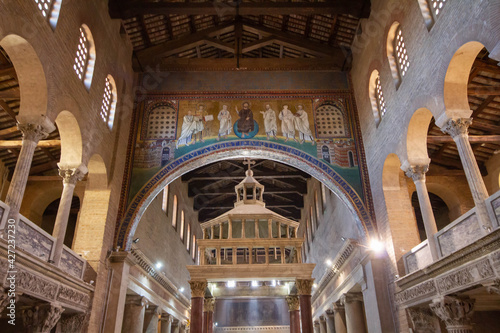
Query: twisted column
x,y
304,287
293,309
458,130
455,312
70,177
417,173
197,298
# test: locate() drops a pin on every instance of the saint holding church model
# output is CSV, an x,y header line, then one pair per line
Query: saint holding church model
x,y
245,123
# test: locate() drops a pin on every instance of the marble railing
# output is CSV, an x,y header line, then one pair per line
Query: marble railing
x,y
40,244
460,233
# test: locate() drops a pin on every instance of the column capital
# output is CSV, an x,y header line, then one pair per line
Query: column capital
x,y
455,312
136,300
351,297
208,304
457,127
42,318
175,322
33,132
304,286
322,318
167,317
154,309
316,324
198,288
72,175
338,306
417,172
330,313
293,302
494,288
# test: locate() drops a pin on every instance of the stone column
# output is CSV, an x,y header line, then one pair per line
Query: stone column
x,y
133,318
197,298
182,328
458,130
339,317
73,323
293,309
417,173
322,324
455,312
32,133
330,322
354,316
120,263
304,287
316,326
175,326
70,177
41,318
423,320
208,314
151,319
166,323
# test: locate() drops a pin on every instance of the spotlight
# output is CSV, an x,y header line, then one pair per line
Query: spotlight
x,y
315,286
329,262
255,284
158,265
181,290
342,239
376,246
273,283
135,241
231,284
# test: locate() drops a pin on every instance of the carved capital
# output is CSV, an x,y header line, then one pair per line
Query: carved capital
x,y
167,318
41,318
175,322
338,306
457,127
455,312
153,310
32,132
304,286
208,304
71,176
423,320
198,288
494,288
330,313
417,172
74,323
136,300
322,318
351,297
293,303
316,324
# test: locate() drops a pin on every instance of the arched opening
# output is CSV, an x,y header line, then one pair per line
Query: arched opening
x,y
49,219
439,208
71,140
416,139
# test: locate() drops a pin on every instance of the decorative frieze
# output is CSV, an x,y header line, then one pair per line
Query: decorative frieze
x,y
73,296
36,285
465,276
425,289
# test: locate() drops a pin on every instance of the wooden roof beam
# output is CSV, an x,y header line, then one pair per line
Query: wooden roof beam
x,y
130,8
485,90
9,111
10,93
7,144
472,138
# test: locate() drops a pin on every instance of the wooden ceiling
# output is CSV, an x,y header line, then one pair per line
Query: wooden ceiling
x,y
48,152
484,132
212,187
181,35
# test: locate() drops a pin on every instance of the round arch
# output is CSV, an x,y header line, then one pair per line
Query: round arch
x,y
416,137
31,77
71,140
449,197
243,149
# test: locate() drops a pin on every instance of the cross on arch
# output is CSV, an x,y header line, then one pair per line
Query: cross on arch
x,y
248,162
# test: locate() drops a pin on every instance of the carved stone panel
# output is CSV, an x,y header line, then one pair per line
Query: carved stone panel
x,y
466,276
422,290
36,285
72,296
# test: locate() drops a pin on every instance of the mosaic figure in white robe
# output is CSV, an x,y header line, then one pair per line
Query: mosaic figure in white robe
x,y
226,124
270,122
190,127
302,125
287,123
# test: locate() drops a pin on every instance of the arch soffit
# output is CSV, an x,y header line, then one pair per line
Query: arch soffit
x,y
98,174
316,168
71,140
391,172
416,137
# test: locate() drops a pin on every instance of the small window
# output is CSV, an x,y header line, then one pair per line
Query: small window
x,y
174,213
164,203
401,53
188,237
323,197
182,225
316,204
109,102
85,57
50,10
193,248
313,219
431,9
377,99
309,230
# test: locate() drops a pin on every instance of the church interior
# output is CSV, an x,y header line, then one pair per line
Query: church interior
x,y
263,166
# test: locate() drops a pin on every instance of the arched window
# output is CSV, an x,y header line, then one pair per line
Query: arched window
x,y
85,56
377,97
397,53
431,10
193,248
188,237
50,10
164,203
182,225
316,204
108,106
174,212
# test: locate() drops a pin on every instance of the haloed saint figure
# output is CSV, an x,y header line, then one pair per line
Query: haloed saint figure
x,y
245,123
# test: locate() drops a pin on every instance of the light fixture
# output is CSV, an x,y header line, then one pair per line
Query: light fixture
x,y
273,283
231,284
255,283
181,289
315,286
135,241
342,239
158,265
329,262
376,246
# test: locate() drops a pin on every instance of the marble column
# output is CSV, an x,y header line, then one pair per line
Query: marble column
x,y
70,177
166,323
417,173
208,314
304,287
330,322
458,129
182,328
455,312
32,133
316,326
354,314
322,324
120,263
133,318
41,318
73,323
339,318
423,320
151,319
175,326
197,298
293,309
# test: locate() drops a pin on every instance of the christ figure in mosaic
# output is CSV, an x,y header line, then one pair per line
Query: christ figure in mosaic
x,y
270,122
287,123
245,123
226,124
302,125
